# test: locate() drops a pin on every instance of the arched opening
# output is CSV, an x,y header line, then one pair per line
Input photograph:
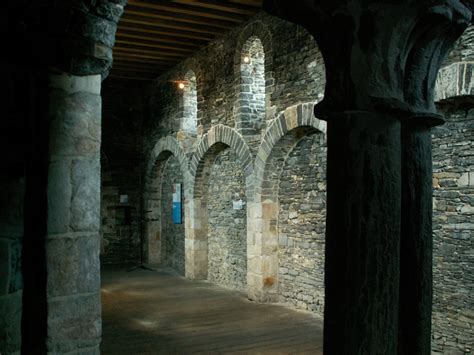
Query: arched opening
x,y
164,228
220,188
172,227
189,120
216,240
251,103
290,192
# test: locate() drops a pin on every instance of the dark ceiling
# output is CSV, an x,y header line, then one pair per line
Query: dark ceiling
x,y
154,35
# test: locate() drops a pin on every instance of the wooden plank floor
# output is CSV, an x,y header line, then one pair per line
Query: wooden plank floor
x,y
146,312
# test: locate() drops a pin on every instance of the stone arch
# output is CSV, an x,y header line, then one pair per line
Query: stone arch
x,y
225,136
164,149
283,133
218,139
455,80
253,81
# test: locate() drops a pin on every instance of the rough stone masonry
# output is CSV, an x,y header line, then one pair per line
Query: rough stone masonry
x,y
230,92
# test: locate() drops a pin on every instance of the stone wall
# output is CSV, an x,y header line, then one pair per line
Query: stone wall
x,y
120,172
227,95
227,227
293,73
226,90
301,224
453,229
172,235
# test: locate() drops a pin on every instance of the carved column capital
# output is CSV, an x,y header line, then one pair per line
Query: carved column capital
x,y
73,36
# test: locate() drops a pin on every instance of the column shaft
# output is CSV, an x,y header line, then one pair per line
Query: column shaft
x,y
416,242
362,235
73,222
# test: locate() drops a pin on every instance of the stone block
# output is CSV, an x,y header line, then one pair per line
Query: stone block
x,y
16,276
59,197
254,265
75,124
463,180
74,323
467,209
85,199
73,264
10,323
72,84
5,266
11,207
269,210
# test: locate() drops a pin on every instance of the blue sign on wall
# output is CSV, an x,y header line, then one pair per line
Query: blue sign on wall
x,y
177,207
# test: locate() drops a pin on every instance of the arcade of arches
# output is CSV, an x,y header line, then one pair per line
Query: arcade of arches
x,y
253,162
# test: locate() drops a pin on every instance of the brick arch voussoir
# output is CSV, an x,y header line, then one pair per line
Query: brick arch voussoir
x,y
227,136
453,82
167,145
193,65
296,116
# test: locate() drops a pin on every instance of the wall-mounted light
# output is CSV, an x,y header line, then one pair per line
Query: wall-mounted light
x,y
246,59
181,86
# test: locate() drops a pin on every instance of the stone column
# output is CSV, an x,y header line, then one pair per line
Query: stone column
x,y
73,240
60,254
416,241
11,286
381,62
362,234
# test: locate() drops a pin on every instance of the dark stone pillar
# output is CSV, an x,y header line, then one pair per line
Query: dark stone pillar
x,y
381,58
416,241
437,28
362,234
66,47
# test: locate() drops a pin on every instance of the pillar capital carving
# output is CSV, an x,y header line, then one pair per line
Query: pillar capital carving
x,y
74,36
380,55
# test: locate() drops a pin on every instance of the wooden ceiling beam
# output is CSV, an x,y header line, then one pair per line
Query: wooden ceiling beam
x,y
156,54
155,35
165,63
157,21
219,5
253,3
142,44
133,73
178,17
166,30
184,8
127,77
165,40
138,58
141,68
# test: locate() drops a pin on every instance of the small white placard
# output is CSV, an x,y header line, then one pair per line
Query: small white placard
x,y
123,198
